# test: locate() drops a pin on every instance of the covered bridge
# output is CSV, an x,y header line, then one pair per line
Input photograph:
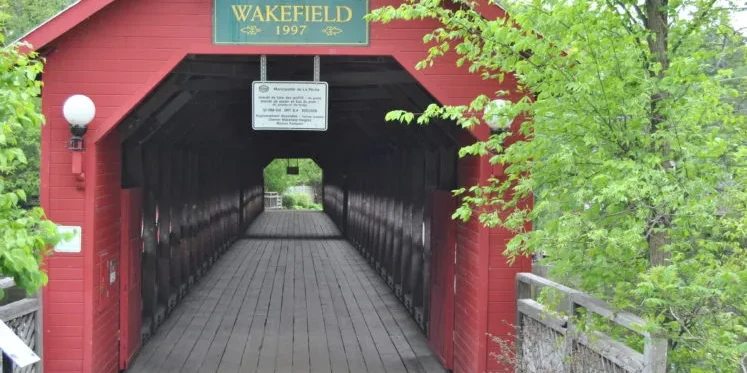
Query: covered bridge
x,y
179,269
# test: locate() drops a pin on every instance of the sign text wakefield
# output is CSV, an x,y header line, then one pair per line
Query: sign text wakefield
x,y
296,22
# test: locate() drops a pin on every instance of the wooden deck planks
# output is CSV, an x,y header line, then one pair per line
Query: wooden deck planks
x,y
319,356
291,297
194,343
160,346
210,361
269,348
246,340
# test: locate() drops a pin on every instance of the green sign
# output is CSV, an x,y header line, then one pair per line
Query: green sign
x,y
290,22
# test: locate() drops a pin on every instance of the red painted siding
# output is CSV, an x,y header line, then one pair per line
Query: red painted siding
x,y
469,297
116,57
63,307
105,334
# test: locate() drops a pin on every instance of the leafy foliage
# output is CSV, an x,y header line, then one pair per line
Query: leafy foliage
x,y
629,146
27,14
26,176
299,201
277,179
22,16
25,234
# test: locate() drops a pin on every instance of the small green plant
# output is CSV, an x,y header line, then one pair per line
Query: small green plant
x,y
288,201
299,201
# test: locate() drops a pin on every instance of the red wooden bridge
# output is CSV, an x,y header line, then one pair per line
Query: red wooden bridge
x,y
179,269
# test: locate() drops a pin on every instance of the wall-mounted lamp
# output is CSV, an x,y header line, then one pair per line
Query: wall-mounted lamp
x,y
79,111
497,121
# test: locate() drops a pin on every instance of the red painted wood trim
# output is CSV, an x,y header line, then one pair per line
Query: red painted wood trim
x,y
78,13
112,121
89,257
64,22
124,272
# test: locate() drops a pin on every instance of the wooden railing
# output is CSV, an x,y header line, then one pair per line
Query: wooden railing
x,y
24,317
273,201
549,340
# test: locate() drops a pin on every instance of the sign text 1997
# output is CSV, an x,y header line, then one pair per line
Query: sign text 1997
x,y
291,22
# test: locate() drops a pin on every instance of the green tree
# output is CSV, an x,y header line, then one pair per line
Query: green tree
x,y
632,151
27,14
25,177
275,176
25,234
278,180
309,173
23,16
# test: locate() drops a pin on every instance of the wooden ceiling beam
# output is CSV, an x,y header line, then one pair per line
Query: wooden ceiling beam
x,y
337,93
158,98
338,78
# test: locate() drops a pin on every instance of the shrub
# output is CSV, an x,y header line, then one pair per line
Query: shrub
x,y
289,201
299,202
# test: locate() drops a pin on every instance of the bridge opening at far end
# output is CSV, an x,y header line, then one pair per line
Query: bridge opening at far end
x,y
293,184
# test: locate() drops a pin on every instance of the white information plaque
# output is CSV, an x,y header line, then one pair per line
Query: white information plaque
x,y
15,348
290,106
74,244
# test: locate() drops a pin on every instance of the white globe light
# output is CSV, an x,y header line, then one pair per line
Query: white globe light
x,y
79,110
494,120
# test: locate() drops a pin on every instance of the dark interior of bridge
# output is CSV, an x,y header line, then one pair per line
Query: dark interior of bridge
x,y
191,148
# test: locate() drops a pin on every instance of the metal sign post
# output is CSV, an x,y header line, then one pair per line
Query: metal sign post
x,y
290,106
263,68
317,68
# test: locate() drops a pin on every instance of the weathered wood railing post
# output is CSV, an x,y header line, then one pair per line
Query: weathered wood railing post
x,y
655,354
24,317
580,350
166,290
417,199
150,242
177,219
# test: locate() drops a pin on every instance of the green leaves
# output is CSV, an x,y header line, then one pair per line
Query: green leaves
x,y
400,116
24,15
25,234
277,179
621,146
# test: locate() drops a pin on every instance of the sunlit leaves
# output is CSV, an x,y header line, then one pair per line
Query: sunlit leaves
x,y
25,234
618,147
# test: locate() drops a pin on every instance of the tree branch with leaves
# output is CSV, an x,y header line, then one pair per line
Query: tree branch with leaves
x,y
25,234
631,150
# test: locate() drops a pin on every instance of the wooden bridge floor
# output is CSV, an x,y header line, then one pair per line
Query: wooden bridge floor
x,y
293,296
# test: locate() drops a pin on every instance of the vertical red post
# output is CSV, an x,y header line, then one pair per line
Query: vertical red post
x,y
130,257
443,246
